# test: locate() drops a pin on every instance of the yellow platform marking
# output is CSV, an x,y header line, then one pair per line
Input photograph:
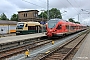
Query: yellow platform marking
x,y
47,52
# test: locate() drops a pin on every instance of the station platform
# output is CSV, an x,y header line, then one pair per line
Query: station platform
x,y
20,37
84,51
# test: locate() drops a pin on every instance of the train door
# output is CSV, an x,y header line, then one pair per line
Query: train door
x,y
37,29
59,28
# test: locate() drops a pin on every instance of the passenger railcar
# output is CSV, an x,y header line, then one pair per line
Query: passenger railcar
x,y
59,27
28,28
7,26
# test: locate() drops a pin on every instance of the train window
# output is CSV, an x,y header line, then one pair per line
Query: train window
x,y
31,27
58,27
71,28
67,26
26,25
20,25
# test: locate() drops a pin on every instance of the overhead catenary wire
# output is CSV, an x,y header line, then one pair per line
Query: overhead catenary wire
x,y
71,5
63,4
77,3
43,1
32,3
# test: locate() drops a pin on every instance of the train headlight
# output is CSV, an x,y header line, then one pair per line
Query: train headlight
x,y
54,30
17,32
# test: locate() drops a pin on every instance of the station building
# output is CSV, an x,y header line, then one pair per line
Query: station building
x,y
7,26
29,15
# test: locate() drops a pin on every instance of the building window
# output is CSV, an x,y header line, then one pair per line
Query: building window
x,y
36,15
25,15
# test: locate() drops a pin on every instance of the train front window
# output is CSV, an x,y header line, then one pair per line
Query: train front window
x,y
20,25
52,23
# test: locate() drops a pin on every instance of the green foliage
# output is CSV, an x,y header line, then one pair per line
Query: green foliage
x,y
3,17
87,26
43,14
72,20
53,13
77,22
14,17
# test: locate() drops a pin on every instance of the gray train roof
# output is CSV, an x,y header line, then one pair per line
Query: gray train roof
x,y
8,22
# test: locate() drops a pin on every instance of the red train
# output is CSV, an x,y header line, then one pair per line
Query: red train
x,y
59,27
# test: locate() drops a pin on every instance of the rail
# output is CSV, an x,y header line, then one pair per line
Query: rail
x,y
18,49
64,52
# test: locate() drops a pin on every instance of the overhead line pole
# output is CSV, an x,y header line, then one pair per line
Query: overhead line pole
x,y
78,17
47,9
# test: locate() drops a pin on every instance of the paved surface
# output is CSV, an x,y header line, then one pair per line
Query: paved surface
x,y
84,52
20,37
41,49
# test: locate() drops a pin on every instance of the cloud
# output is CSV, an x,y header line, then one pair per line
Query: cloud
x,y
73,7
7,8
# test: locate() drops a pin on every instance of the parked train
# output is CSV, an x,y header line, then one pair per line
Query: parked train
x,y
59,27
29,28
7,26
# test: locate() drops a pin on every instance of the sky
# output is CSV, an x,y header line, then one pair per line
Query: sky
x,y
74,8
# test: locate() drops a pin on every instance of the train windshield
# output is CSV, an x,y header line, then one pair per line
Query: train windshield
x,y
20,25
52,23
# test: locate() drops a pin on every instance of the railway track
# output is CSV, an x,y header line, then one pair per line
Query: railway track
x,y
18,49
63,51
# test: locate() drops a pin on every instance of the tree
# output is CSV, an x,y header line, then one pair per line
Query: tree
x,y
43,14
0,17
14,17
77,22
53,13
3,17
71,20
